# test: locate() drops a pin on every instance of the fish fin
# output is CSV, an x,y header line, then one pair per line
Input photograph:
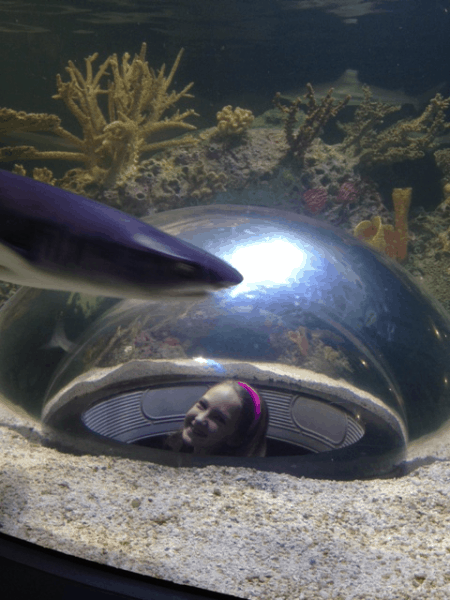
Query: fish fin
x,y
59,339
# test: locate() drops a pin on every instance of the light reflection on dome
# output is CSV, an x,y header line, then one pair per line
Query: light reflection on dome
x,y
259,262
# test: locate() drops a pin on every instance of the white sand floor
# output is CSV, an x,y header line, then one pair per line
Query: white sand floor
x,y
237,531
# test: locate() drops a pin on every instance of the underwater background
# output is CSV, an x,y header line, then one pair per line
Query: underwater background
x,y
240,55
365,147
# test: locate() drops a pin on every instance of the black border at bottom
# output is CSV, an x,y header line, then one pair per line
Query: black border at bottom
x,y
31,571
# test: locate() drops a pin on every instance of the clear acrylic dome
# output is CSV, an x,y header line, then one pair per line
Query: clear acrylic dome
x,y
348,354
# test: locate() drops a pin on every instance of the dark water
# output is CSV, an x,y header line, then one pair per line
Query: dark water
x,y
238,52
235,49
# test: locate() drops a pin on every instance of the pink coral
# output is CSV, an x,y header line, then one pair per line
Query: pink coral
x,y
315,199
172,341
347,193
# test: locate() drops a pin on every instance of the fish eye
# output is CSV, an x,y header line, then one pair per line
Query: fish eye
x,y
185,270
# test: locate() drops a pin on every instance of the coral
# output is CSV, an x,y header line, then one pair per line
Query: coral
x,y
347,193
300,338
304,348
233,122
446,192
408,139
393,241
429,257
43,174
327,166
374,233
176,180
12,121
401,197
328,360
184,176
444,239
315,199
19,170
317,115
115,137
442,158
361,133
204,182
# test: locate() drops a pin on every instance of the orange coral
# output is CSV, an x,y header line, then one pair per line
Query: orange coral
x,y
300,338
401,198
393,241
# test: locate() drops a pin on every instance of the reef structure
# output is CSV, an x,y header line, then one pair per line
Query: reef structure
x,y
393,241
136,117
407,139
316,117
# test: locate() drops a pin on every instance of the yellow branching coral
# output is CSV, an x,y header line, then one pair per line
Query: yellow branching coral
x,y
317,115
408,139
116,131
12,121
442,158
233,122
44,175
361,132
446,191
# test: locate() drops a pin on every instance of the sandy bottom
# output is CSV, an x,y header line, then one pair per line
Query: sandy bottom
x,y
238,531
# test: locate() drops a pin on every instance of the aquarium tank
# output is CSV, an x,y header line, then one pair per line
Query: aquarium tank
x,y
224,299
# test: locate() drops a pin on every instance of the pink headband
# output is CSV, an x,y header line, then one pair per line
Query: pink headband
x,y
255,398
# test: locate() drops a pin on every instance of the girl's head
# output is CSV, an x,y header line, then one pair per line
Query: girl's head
x,y
230,418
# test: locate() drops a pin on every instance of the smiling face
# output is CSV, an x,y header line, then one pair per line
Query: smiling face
x,y
212,421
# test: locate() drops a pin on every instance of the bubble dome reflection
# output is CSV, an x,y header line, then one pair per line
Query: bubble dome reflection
x,y
348,353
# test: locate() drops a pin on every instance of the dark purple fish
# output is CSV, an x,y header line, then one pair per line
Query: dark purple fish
x,y
53,239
